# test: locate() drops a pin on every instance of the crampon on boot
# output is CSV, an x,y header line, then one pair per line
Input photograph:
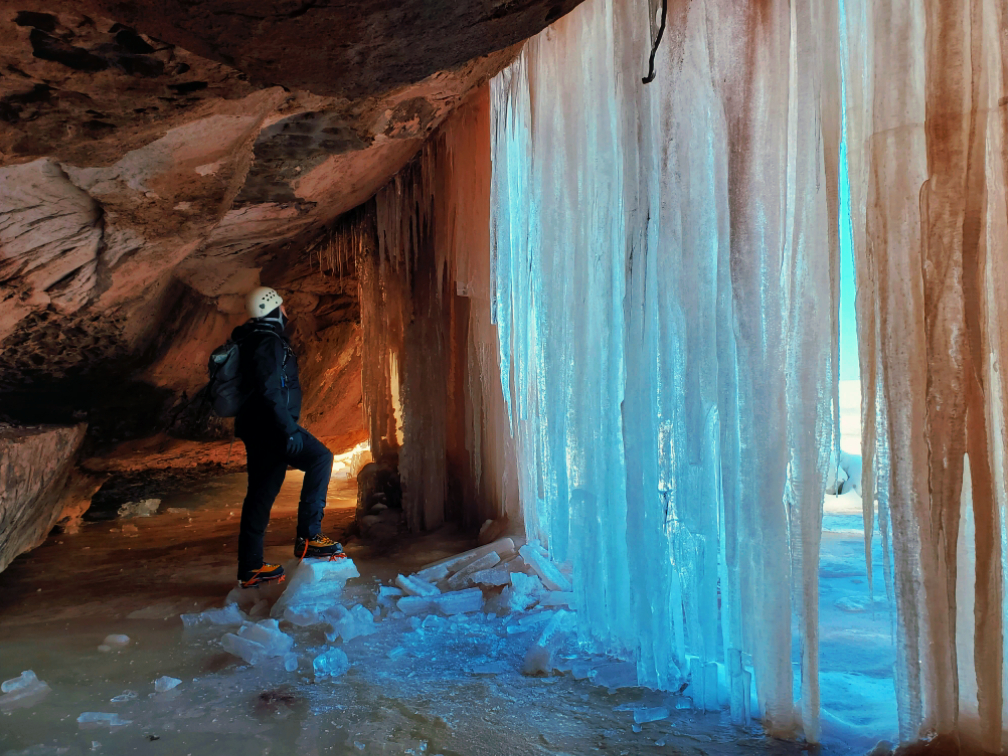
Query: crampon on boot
x,y
265,574
318,547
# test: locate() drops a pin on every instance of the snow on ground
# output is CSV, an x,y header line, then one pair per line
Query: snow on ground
x,y
856,642
856,647
850,417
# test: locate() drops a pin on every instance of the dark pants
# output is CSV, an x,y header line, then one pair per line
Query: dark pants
x,y
267,467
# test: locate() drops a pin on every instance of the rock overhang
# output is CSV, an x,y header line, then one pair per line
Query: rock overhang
x,y
156,158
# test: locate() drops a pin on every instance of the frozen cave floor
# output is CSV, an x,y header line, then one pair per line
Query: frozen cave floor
x,y
416,685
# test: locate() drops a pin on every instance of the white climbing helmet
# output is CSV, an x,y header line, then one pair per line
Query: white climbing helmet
x,y
262,302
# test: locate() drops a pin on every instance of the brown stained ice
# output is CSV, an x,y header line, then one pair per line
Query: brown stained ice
x,y
926,135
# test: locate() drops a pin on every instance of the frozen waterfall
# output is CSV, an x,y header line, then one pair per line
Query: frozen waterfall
x,y
608,312
666,300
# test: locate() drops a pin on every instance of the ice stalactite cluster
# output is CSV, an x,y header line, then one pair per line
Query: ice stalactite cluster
x,y
926,128
642,349
429,339
667,282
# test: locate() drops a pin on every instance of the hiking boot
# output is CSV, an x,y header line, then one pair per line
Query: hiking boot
x,y
317,547
265,574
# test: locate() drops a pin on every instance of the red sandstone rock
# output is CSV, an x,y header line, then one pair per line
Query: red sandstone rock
x,y
34,464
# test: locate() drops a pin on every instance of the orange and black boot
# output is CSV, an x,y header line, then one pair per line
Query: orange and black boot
x,y
317,547
265,574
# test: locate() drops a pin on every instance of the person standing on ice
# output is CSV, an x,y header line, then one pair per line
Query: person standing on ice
x,y
268,425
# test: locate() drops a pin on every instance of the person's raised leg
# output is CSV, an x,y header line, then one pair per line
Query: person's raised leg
x,y
316,461
266,470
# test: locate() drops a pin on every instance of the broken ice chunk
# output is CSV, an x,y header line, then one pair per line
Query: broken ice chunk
x,y
652,714
268,633
558,598
524,591
492,578
560,626
112,642
457,602
615,675
582,670
165,683
415,586
100,719
463,577
25,680
432,622
301,616
387,595
126,695
350,623
316,583
22,691
256,642
536,618
330,663
460,602
491,668
290,662
434,572
548,572
538,661
228,615
504,548
411,605
249,651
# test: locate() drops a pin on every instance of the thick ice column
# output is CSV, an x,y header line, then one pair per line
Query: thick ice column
x,y
411,279
481,451
811,260
651,248
985,248
891,166
696,335
924,154
992,673
376,383
755,94
432,391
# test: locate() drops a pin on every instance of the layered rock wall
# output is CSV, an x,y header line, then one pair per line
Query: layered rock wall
x,y
34,466
147,186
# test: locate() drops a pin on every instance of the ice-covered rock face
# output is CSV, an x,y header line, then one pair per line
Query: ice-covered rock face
x,y
158,161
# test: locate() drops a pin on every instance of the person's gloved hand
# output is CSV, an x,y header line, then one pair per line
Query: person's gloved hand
x,y
295,443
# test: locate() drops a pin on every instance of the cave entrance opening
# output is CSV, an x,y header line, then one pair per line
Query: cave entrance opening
x,y
856,648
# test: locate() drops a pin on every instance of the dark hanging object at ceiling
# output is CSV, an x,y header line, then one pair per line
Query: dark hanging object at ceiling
x,y
657,41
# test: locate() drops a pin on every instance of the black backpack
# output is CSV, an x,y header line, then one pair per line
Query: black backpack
x,y
225,387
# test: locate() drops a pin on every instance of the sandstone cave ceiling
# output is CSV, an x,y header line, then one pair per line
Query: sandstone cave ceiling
x,y
157,159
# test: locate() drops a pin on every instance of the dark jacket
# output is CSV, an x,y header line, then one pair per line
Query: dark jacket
x,y
270,378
